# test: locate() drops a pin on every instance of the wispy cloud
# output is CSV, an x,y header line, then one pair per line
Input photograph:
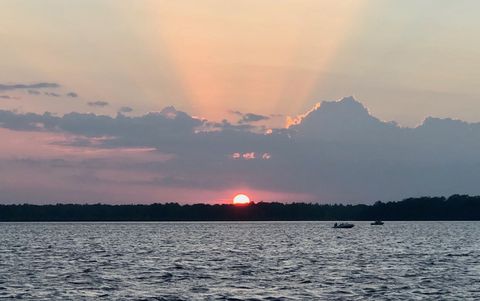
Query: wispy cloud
x,y
125,110
33,92
98,103
72,94
21,86
52,94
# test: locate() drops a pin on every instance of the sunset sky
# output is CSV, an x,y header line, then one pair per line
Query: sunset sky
x,y
197,97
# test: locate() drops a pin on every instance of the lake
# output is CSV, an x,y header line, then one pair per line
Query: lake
x,y
240,261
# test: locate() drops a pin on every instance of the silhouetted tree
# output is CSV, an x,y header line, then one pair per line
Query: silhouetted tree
x,y
456,207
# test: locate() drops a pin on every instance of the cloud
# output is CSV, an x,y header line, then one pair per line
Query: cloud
x,y
168,122
249,117
72,94
276,115
51,94
33,92
98,103
125,110
337,151
251,156
238,113
9,97
7,87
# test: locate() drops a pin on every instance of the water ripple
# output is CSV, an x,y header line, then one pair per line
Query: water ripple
x,y
239,261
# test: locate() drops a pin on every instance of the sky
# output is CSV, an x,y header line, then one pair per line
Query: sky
x,y
195,101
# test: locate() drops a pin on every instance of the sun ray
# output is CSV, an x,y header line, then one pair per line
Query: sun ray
x,y
262,56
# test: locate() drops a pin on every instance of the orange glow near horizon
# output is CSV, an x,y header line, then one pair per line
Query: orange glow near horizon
x,y
241,199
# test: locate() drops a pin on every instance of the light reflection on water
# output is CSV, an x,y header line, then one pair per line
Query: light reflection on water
x,y
239,261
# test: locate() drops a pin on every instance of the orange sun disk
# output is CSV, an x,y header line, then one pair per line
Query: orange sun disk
x,y
241,199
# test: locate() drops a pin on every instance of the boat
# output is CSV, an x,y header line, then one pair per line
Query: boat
x,y
377,223
343,225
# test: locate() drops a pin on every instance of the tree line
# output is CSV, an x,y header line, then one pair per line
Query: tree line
x,y
455,207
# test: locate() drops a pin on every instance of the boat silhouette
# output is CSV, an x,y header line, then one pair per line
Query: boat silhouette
x,y
343,225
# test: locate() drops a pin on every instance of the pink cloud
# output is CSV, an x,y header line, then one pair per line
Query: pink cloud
x,y
266,156
249,156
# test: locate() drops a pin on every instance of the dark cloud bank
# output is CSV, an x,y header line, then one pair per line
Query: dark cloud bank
x,y
336,152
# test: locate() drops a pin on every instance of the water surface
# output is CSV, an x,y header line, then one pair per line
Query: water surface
x,y
240,261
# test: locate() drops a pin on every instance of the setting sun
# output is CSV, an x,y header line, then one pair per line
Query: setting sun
x,y
241,199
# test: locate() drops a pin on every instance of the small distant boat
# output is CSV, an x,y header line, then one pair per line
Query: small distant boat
x,y
343,225
377,223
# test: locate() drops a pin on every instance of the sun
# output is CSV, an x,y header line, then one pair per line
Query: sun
x,y
241,199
